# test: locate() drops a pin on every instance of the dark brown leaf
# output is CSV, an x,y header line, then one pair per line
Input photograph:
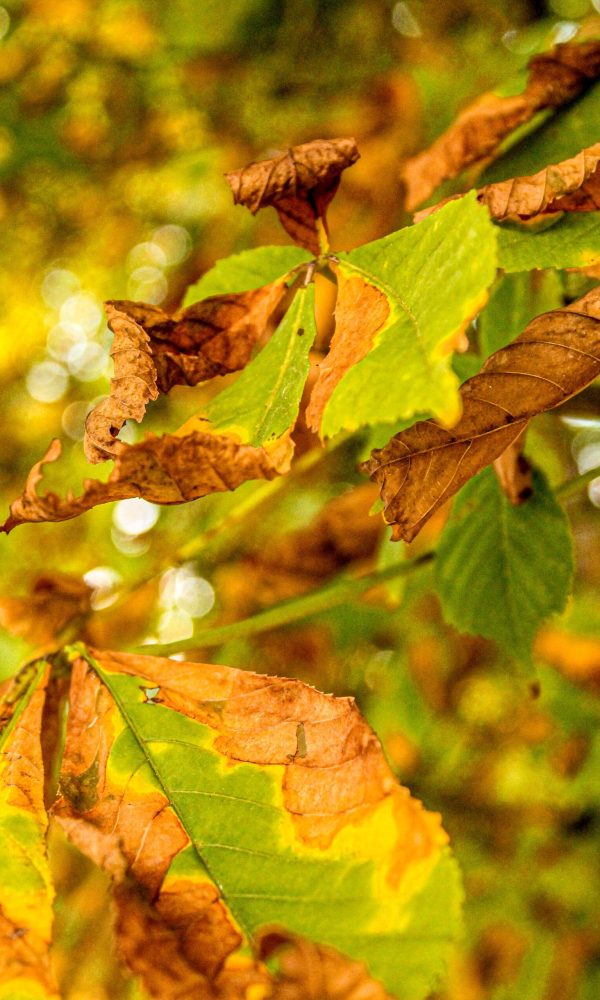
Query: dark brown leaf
x,y
555,77
556,356
165,470
309,971
152,352
299,184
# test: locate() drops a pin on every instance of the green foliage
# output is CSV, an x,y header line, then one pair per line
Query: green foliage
x,y
573,241
245,271
501,570
263,403
434,276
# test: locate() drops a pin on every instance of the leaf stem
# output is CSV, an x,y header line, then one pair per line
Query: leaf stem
x,y
572,486
340,591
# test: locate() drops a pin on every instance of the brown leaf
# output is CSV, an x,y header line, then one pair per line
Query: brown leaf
x,y
164,470
549,189
299,184
556,356
555,77
153,352
360,312
155,950
55,601
309,971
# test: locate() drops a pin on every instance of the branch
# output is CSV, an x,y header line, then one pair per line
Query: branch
x,y
341,591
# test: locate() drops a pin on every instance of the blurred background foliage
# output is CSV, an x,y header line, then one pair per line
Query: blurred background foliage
x,y
118,120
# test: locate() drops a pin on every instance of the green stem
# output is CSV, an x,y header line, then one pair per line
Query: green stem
x,y
341,591
572,486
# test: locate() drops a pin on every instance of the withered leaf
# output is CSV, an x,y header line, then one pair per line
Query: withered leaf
x,y
573,184
169,469
556,356
299,184
555,77
309,971
224,802
153,352
56,600
360,311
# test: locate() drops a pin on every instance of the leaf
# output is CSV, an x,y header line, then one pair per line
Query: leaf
x,y
263,787
153,352
571,185
555,77
554,358
26,892
420,286
56,601
574,241
246,271
500,569
561,136
263,403
167,470
312,972
514,302
299,184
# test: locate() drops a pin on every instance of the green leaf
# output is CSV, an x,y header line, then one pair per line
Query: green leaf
x,y
501,570
516,300
435,276
278,789
573,241
26,892
561,136
263,403
245,271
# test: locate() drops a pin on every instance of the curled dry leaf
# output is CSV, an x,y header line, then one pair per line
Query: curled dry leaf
x,y
56,600
223,802
299,184
360,312
166,470
25,891
309,971
572,185
153,352
555,77
555,357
